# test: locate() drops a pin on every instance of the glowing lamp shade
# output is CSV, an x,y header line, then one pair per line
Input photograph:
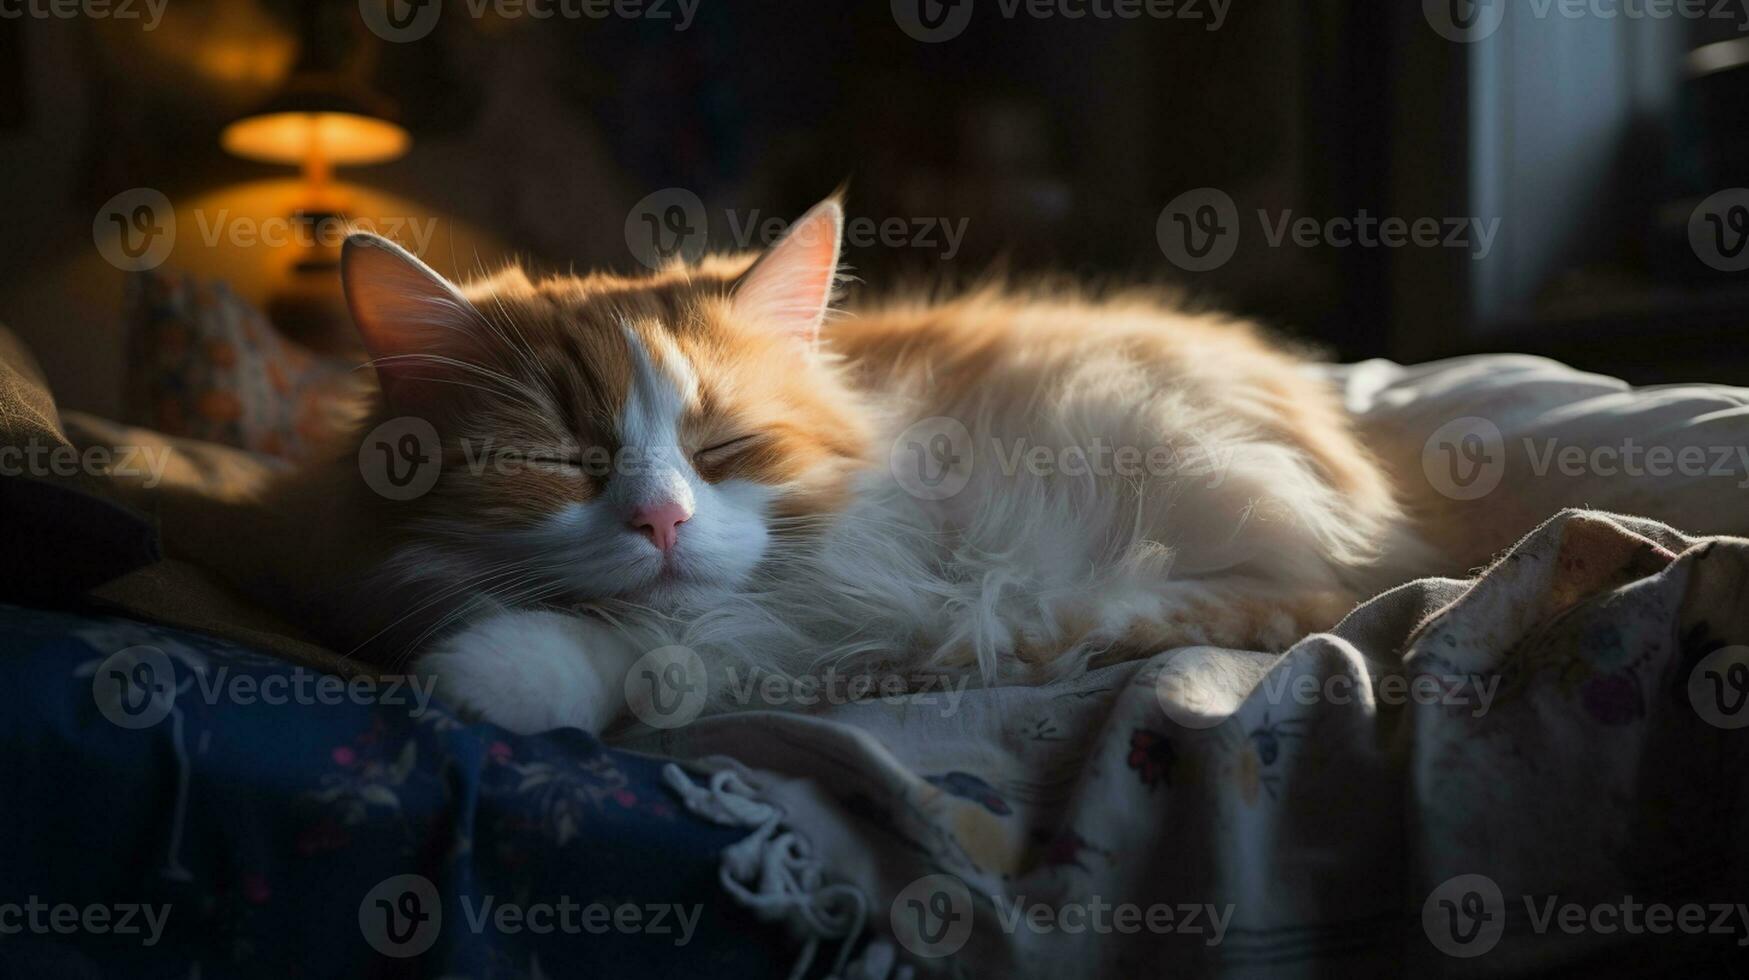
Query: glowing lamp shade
x,y
336,138
317,125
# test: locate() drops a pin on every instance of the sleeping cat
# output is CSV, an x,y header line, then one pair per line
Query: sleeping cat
x,y
1011,485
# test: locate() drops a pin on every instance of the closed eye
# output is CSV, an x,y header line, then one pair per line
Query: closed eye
x,y
723,450
512,457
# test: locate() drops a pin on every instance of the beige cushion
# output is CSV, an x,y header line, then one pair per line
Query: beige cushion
x,y
170,592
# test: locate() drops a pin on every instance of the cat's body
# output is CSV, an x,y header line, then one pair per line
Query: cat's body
x,y
1009,485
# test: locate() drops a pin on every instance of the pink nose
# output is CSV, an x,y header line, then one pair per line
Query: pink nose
x,y
661,523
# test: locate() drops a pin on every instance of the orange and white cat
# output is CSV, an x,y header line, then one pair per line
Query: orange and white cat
x,y
1009,484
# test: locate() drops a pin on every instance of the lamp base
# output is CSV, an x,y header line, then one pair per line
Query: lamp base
x,y
310,308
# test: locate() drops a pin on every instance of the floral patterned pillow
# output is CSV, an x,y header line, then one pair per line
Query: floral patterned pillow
x,y
205,364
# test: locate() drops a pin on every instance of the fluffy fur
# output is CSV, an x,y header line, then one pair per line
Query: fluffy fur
x,y
1229,504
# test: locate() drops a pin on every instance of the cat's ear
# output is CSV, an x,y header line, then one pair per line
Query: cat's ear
x,y
790,287
413,320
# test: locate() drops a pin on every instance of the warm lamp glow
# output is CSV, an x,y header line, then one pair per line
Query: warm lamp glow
x,y
335,138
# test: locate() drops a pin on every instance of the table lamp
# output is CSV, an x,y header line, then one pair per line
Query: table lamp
x,y
316,122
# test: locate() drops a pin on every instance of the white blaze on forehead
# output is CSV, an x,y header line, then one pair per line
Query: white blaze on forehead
x,y
654,470
662,386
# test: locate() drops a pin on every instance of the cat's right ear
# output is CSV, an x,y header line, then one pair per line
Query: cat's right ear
x,y
790,288
414,322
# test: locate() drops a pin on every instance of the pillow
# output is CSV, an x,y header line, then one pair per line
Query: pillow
x,y
1485,448
62,535
147,462
204,364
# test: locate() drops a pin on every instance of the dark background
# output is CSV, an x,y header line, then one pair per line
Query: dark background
x,y
1057,141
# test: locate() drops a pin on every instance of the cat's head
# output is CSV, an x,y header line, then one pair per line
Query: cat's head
x,y
646,439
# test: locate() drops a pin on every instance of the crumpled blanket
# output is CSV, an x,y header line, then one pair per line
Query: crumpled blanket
x,y
1539,769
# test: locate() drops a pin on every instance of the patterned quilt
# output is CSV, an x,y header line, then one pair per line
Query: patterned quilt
x,y
1541,770
177,806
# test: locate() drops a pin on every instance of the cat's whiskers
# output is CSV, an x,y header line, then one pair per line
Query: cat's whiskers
x,y
521,349
513,389
528,590
472,580
456,612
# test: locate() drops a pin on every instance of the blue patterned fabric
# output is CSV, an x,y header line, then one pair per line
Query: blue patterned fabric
x,y
260,822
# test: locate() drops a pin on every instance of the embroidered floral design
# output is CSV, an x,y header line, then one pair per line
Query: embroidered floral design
x,y
1613,699
970,787
1151,756
366,778
1065,848
565,793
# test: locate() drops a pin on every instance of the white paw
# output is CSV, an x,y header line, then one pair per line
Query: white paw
x,y
532,671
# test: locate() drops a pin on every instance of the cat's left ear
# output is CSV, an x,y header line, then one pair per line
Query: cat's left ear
x,y
790,288
414,322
